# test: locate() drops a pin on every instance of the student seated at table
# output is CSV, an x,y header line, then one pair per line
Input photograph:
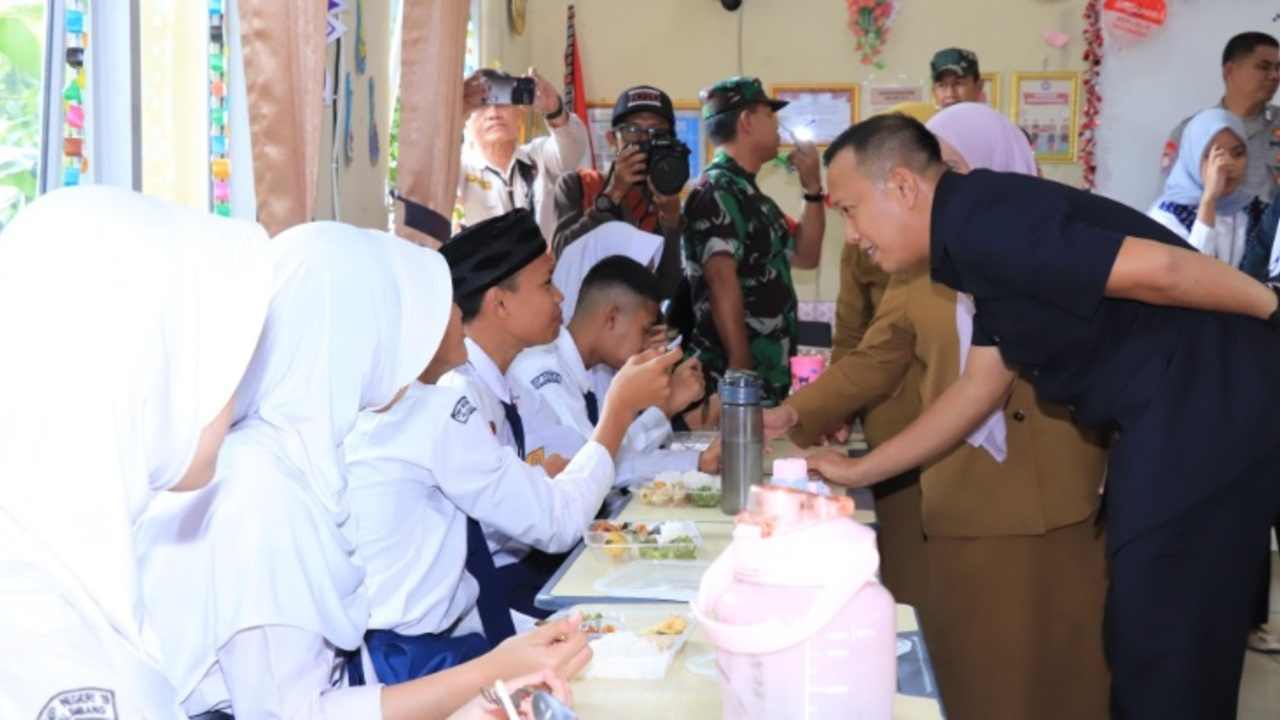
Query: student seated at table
x,y
253,593
427,472
502,285
617,304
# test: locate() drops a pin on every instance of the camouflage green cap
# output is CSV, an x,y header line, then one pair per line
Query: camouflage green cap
x,y
734,93
957,60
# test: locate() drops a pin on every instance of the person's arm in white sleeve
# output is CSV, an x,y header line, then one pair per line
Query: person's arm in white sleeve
x,y
639,468
650,431
490,483
279,672
563,149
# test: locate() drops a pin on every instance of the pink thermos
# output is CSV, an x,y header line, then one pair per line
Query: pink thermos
x,y
802,626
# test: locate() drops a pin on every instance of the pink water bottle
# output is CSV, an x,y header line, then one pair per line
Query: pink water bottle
x,y
802,627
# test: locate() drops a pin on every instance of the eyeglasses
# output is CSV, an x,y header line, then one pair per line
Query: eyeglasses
x,y
636,133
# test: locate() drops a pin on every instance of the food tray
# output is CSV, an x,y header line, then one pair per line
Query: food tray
x,y
697,440
669,540
631,651
675,489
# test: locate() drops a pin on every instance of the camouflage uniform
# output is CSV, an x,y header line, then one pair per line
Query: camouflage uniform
x,y
727,213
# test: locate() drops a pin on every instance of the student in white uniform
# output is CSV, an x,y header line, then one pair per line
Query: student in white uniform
x,y
127,323
252,584
1204,199
502,284
617,304
426,472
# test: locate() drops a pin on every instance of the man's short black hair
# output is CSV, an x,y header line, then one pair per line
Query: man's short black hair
x,y
723,127
469,305
618,272
886,141
1244,44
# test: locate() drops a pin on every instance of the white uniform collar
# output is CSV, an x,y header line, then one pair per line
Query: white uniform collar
x,y
487,370
475,158
571,359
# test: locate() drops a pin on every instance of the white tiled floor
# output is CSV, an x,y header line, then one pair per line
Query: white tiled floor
x,y
1260,690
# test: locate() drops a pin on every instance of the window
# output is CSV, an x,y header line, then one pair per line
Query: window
x,y
22,40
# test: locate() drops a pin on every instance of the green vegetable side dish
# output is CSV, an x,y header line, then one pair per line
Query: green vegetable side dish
x,y
704,497
680,548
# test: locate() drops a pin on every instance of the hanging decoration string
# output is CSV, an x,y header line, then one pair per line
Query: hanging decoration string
x,y
75,159
1092,97
219,136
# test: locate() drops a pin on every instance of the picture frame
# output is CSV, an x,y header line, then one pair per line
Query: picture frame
x,y
825,110
991,88
689,129
1046,105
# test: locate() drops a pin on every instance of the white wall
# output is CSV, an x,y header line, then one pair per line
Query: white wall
x,y
1148,89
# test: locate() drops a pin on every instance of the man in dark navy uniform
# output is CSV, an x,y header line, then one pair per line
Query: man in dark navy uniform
x,y
1105,312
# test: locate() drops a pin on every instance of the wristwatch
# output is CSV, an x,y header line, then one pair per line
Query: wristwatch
x,y
1274,319
816,197
605,204
555,114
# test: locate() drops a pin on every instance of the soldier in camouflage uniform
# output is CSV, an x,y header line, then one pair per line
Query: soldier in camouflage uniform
x,y
740,247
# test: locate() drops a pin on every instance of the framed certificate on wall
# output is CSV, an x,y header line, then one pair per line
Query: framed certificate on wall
x,y
817,113
1046,107
991,89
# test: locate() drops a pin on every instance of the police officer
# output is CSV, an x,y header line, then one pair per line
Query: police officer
x,y
1251,75
956,77
1105,312
740,247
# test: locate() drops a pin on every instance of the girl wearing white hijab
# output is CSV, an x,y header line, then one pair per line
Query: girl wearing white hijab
x,y
128,323
253,583
1204,200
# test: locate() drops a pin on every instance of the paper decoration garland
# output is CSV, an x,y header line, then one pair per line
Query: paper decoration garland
x,y
348,139
1092,98
362,47
219,140
75,160
334,27
375,149
869,21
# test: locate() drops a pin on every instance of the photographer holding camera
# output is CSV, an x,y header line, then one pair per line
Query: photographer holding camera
x,y
649,160
498,174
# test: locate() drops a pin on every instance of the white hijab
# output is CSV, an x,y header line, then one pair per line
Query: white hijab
x,y
127,323
611,238
356,316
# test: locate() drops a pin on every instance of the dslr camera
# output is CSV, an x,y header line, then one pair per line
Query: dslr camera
x,y
667,160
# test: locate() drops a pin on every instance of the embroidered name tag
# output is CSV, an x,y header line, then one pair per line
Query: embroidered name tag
x,y
462,410
80,704
546,378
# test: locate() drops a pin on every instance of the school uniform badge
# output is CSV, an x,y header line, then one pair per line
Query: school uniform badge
x,y
81,704
462,410
546,378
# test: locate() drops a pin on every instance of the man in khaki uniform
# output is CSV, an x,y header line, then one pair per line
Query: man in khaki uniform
x,y
1016,568
900,536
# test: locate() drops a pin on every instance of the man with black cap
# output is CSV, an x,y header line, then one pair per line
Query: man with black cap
x,y
956,78
586,199
740,246
502,285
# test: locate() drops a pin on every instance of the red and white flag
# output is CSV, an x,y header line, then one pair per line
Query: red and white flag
x,y
575,95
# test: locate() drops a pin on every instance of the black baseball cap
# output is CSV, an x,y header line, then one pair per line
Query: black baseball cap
x,y
643,98
736,93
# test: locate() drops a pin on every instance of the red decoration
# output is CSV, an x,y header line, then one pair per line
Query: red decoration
x,y
1093,43
869,22
1129,22
575,94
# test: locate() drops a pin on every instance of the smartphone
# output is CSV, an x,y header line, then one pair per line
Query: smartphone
x,y
675,343
505,89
